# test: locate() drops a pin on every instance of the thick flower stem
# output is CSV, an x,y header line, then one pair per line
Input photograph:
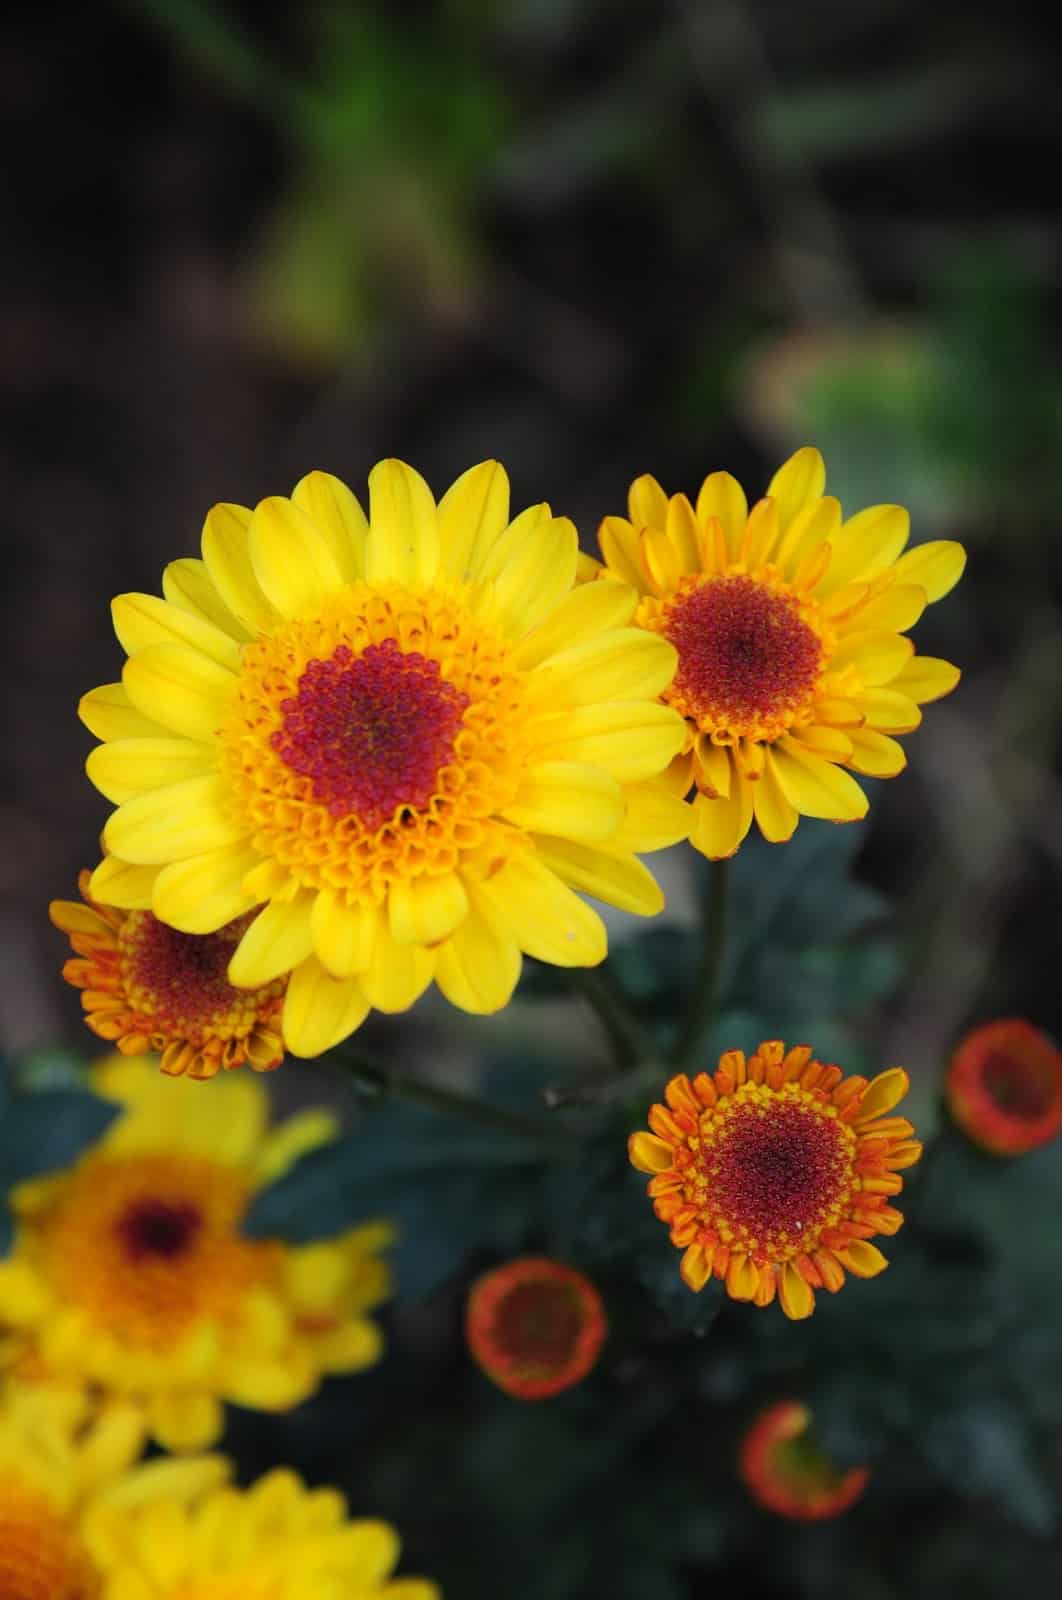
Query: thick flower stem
x,y
705,989
376,1080
629,1040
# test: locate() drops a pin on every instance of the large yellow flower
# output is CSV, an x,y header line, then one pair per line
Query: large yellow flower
x,y
130,1273
794,669
411,737
59,1460
276,1540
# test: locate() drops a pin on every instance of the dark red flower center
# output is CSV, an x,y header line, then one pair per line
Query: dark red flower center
x,y
779,1170
371,731
159,1228
746,655
181,974
538,1323
1021,1087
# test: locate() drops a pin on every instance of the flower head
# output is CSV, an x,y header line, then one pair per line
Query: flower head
x,y
59,1457
130,1273
774,1173
1004,1087
410,738
277,1540
145,986
786,1471
535,1327
794,670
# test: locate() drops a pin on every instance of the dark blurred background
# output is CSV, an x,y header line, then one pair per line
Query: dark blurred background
x,y
591,239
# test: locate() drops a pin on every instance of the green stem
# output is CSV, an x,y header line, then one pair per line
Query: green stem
x,y
704,994
377,1080
629,1040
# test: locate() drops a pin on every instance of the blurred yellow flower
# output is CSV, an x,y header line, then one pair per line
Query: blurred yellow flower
x,y
774,1173
411,737
145,986
130,1274
794,669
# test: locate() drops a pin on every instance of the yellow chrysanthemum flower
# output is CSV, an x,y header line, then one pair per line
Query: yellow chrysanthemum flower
x,y
59,1461
130,1273
410,736
277,1540
794,669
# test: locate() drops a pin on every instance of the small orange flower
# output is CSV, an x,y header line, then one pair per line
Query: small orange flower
x,y
786,1471
1004,1087
535,1327
147,987
774,1173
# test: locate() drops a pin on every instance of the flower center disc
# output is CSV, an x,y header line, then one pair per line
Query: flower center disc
x,y
1022,1088
155,1228
538,1323
39,1559
371,732
180,978
776,1172
749,660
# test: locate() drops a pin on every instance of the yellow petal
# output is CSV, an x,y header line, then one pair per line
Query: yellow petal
x,y
473,515
143,619
188,584
398,974
182,689
883,1093
863,1259
824,741
795,1293
682,531
723,497
661,561
537,575
695,1267
624,664
118,883
227,557
621,550
799,480
127,767
742,1278
277,941
403,542
292,559
185,1423
647,502
925,678
546,919
718,826
935,566
109,713
776,817
478,967
818,524
582,613
588,569
655,818
875,754
894,611
335,512
648,1153
889,711
713,768
761,534
567,798
206,891
866,543
342,934
319,1010
876,657
426,910
172,824
632,740
619,879
817,788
